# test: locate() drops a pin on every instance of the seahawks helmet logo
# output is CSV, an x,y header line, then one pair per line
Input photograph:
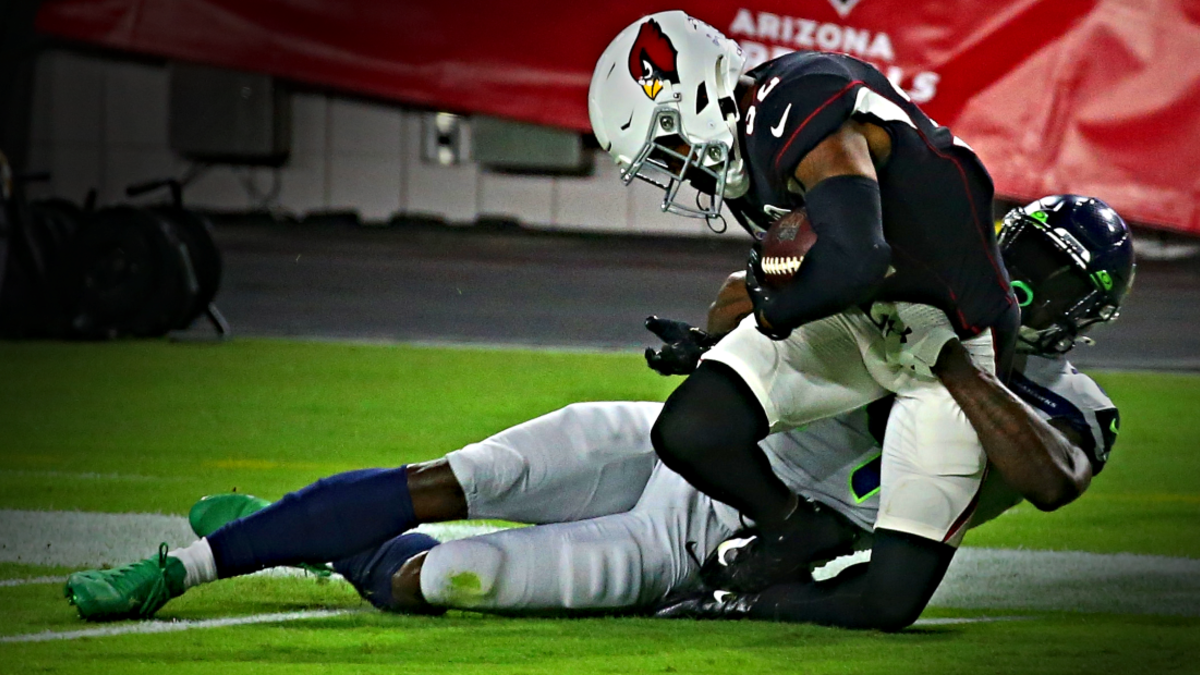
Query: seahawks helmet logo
x,y
652,59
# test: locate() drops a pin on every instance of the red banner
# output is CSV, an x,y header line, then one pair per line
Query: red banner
x,y
1092,96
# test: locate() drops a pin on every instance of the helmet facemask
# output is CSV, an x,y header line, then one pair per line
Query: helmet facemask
x,y
661,163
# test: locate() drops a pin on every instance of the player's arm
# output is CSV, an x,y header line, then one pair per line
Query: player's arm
x,y
730,307
1044,461
850,259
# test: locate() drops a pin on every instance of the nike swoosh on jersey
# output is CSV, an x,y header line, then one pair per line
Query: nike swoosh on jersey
x,y
777,130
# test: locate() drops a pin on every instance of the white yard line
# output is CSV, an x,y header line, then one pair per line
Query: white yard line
x,y
145,627
959,620
978,578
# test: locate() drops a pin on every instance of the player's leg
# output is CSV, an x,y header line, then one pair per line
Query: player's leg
x,y
931,472
372,572
579,461
933,463
583,460
331,519
709,430
593,564
611,563
748,384
888,593
932,468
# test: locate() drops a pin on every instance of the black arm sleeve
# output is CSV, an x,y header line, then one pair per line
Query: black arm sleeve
x,y
848,262
888,593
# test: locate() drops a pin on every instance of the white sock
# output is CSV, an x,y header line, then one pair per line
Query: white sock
x,y
198,560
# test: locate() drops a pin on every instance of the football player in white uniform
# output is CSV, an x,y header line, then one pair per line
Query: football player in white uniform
x,y
615,529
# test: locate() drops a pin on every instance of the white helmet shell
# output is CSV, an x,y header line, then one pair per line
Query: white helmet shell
x,y
669,77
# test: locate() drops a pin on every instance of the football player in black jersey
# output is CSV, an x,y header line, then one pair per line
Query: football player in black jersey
x,y
1046,434
901,209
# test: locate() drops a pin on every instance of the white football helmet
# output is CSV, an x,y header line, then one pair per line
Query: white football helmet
x,y
661,103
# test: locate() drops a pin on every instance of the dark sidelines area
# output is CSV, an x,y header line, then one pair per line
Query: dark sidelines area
x,y
506,285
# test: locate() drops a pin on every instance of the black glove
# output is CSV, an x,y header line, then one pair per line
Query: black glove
x,y
761,296
682,346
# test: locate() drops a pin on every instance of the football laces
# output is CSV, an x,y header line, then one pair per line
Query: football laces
x,y
781,266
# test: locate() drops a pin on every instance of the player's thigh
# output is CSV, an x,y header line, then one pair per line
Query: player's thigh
x,y
598,563
684,521
582,461
933,465
620,561
815,373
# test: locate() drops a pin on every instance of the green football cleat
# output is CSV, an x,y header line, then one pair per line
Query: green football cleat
x,y
135,591
210,513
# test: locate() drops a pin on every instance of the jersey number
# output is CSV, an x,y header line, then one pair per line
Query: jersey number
x,y
752,113
866,479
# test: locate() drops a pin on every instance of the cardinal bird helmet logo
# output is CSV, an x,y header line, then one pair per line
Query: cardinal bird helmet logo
x,y
652,59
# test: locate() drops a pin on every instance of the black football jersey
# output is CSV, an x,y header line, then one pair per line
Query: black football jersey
x,y
936,195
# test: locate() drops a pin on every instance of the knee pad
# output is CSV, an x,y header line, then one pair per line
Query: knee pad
x,y
461,573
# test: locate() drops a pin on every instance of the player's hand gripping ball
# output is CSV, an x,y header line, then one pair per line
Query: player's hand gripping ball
x,y
784,246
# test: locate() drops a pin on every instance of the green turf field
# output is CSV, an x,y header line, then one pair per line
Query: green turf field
x,y
148,427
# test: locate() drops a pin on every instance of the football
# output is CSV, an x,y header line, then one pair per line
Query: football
x,y
784,247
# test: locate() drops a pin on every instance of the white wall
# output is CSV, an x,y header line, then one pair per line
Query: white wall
x,y
103,123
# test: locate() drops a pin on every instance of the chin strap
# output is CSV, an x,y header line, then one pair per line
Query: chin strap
x,y
708,220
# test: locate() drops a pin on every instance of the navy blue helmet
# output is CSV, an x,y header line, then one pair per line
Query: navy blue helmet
x,y
1071,262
